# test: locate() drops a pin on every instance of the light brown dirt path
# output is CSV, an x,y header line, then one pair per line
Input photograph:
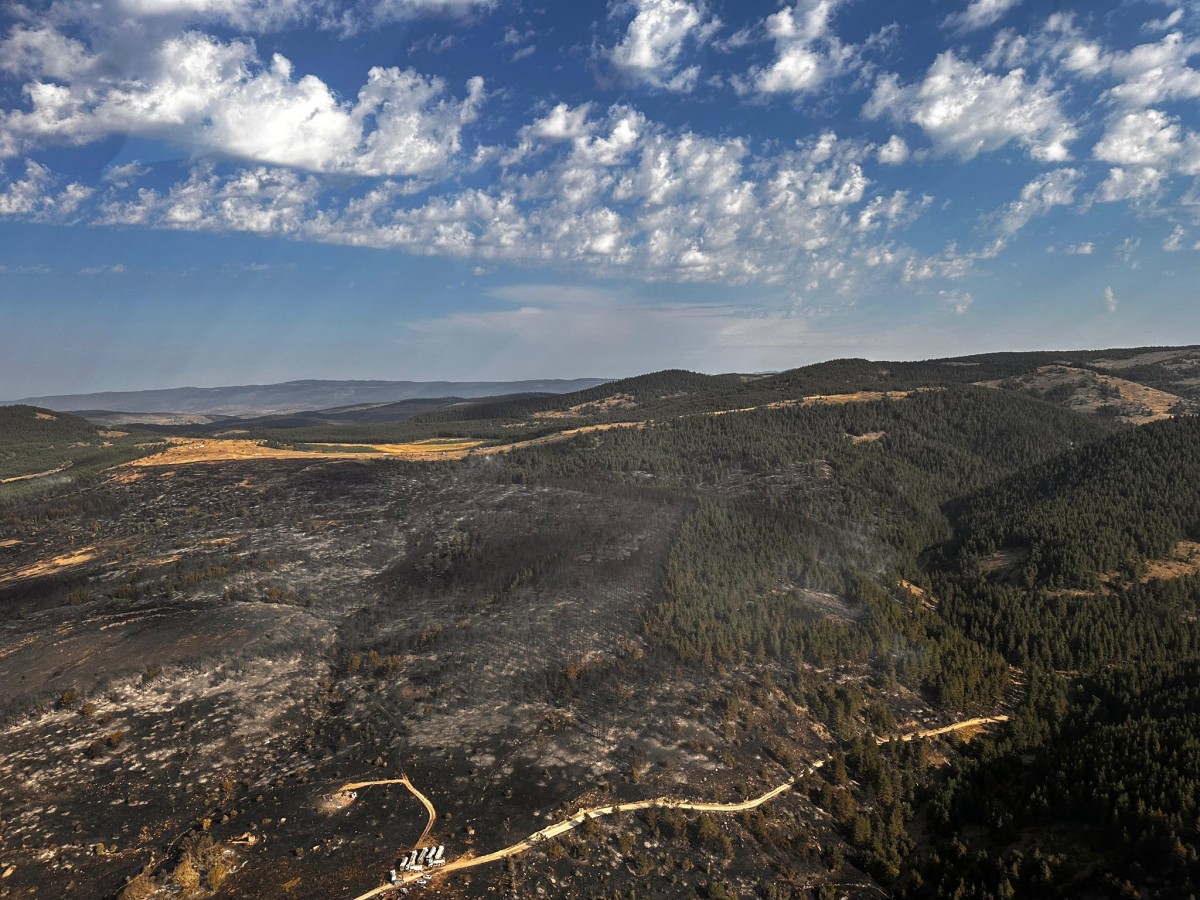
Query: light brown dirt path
x,y
425,801
947,729
53,471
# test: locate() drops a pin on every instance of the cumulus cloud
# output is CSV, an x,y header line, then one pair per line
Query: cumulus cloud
x,y
1110,300
1084,248
966,110
33,196
1038,197
652,50
261,200
1138,184
807,53
216,97
1154,73
894,152
1174,241
979,14
1152,140
611,193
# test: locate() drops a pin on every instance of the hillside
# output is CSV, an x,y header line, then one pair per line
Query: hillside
x,y
39,443
1134,385
1081,572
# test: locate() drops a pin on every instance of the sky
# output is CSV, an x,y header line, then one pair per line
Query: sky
x,y
210,192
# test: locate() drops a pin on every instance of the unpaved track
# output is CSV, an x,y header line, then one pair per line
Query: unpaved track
x,y
53,471
359,785
559,828
934,732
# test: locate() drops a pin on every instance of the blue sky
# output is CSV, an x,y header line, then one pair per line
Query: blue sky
x,y
227,191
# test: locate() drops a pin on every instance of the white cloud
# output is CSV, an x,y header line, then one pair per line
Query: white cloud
x,y
43,52
1085,248
113,269
155,18
1038,197
1128,249
613,194
958,301
1110,300
1136,184
654,44
27,195
261,200
806,52
398,10
979,14
1166,23
966,110
1174,241
123,176
33,196
1150,137
1154,73
209,96
894,152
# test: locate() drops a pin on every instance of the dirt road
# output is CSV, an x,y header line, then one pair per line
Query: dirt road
x,y
559,828
359,785
947,729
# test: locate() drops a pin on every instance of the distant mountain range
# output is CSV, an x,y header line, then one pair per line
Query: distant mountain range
x,y
295,396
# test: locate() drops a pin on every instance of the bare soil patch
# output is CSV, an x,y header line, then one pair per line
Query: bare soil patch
x,y
1142,359
595,407
869,438
1088,391
918,593
1184,560
1004,563
50,566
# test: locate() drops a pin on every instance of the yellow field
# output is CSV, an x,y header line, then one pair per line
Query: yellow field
x,y
184,451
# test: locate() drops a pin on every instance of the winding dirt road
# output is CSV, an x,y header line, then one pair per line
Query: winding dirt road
x,y
558,828
359,785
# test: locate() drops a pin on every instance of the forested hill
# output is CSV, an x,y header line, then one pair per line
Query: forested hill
x,y
611,400
1099,508
35,441
1120,382
21,426
1096,790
